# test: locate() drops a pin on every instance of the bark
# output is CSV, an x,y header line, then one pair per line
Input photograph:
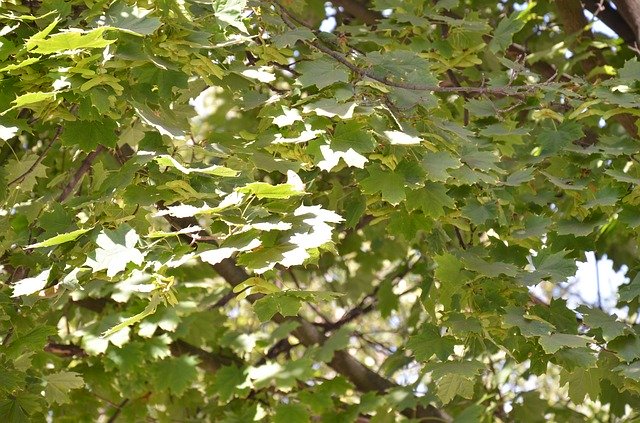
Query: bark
x,y
630,12
610,17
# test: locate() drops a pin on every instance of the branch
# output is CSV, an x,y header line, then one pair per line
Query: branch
x,y
40,158
612,19
84,168
289,20
630,12
358,11
118,410
208,361
365,379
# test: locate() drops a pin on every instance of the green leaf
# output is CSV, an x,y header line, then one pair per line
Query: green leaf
x,y
337,341
570,358
59,384
466,369
322,73
72,40
387,300
552,343
597,319
428,342
451,385
436,165
630,291
529,325
627,347
267,306
390,184
229,12
350,136
10,381
631,371
88,135
554,266
622,176
519,177
291,413
17,409
33,340
32,98
582,382
24,173
133,20
330,108
60,239
566,184
115,250
264,190
164,160
432,200
175,374
290,37
450,274
505,30
229,381
149,310
491,269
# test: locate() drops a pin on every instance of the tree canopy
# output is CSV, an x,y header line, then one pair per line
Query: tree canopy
x,y
211,210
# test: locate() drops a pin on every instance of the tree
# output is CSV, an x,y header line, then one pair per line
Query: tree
x,y
214,212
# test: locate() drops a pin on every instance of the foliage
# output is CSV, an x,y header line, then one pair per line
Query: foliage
x,y
213,212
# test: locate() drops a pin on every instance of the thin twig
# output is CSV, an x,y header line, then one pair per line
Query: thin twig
x,y
460,240
40,158
116,413
361,309
598,282
312,306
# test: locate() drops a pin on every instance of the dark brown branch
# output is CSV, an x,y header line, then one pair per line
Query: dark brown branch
x,y
208,361
460,239
630,12
358,11
84,168
118,410
65,350
610,17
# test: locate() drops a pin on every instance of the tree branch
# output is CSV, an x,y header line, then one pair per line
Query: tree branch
x,y
84,168
365,379
358,11
611,17
40,158
289,20
630,12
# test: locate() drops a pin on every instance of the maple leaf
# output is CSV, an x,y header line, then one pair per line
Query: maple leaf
x,y
115,250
